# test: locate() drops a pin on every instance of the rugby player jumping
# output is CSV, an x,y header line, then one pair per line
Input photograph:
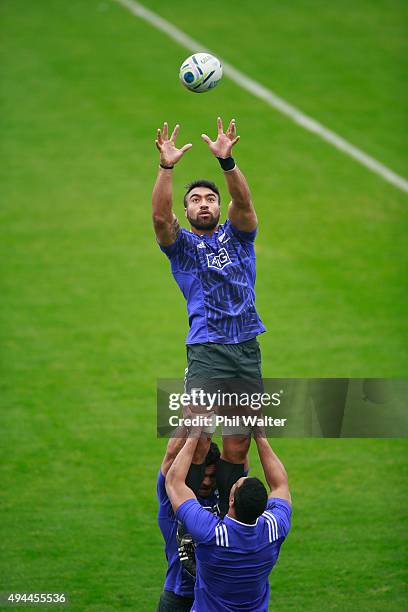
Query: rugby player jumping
x,y
214,266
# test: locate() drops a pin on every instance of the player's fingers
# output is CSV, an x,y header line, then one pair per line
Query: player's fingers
x,y
206,138
235,140
186,147
219,125
165,131
231,128
174,133
158,145
159,136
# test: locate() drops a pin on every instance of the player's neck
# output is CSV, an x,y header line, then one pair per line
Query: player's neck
x,y
202,232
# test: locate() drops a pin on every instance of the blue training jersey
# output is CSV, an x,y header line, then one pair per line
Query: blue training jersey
x,y
234,560
178,580
217,277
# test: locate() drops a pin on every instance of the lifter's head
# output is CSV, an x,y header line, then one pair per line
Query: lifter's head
x,y
208,484
247,500
202,204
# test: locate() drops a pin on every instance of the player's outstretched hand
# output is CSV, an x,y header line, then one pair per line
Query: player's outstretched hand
x,y
169,153
223,145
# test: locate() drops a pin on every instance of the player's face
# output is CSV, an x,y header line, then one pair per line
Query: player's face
x,y
207,486
203,208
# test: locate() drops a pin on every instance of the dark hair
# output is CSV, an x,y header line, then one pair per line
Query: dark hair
x,y
250,500
201,183
213,454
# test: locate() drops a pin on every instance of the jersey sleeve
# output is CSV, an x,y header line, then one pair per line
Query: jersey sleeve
x,y
199,522
243,236
161,487
281,510
176,248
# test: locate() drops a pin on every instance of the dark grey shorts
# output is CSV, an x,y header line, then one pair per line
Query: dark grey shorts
x,y
225,361
225,368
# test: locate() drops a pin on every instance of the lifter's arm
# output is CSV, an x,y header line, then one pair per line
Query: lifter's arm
x,y
274,471
165,223
241,212
174,446
176,443
177,490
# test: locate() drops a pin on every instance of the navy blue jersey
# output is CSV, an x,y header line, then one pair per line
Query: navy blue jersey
x,y
178,580
217,277
234,560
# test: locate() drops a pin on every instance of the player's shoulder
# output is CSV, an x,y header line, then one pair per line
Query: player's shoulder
x,y
184,240
189,238
163,499
161,482
277,518
184,235
225,228
277,503
225,233
228,230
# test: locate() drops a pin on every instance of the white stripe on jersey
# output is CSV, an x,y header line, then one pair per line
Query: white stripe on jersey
x,y
275,523
221,535
268,518
272,525
226,535
269,528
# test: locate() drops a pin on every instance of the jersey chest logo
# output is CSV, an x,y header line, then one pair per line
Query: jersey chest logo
x,y
219,260
223,238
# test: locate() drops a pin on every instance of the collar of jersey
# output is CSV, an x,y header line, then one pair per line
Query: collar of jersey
x,y
239,522
201,236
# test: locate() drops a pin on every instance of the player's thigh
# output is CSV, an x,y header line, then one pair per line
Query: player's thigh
x,y
209,360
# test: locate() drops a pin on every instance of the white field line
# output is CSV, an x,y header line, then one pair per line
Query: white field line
x,y
268,96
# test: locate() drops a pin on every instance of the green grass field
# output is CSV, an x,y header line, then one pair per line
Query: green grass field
x,y
91,318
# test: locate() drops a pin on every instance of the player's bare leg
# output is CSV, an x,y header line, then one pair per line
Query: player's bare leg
x,y
235,448
231,466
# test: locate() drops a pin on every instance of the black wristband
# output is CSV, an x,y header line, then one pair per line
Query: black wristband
x,y
226,163
166,167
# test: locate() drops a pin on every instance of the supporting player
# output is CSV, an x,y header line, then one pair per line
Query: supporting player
x,y
214,266
178,590
234,555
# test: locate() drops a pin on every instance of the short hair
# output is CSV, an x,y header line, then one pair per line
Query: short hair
x,y
250,500
213,455
201,183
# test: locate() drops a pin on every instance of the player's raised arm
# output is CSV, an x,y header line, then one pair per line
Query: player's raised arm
x,y
273,468
174,446
241,212
177,490
165,223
